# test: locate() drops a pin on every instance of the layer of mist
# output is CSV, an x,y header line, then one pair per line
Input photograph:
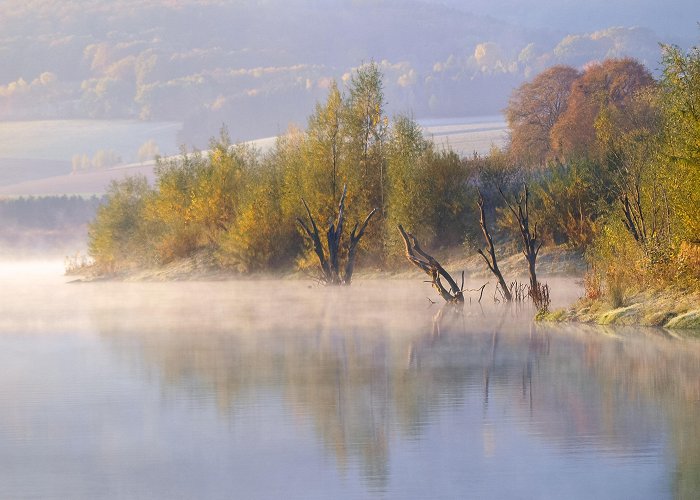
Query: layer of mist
x,y
264,388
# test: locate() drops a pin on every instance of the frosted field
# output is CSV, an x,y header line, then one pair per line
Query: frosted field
x,y
61,139
468,135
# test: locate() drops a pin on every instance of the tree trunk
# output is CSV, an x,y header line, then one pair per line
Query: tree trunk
x,y
430,266
491,260
531,246
331,266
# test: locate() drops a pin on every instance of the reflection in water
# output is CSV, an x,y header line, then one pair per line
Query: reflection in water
x,y
412,401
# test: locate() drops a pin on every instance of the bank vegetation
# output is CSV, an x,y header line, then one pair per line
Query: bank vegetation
x,y
604,161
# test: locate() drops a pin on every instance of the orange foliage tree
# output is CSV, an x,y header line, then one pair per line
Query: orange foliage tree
x,y
611,83
532,111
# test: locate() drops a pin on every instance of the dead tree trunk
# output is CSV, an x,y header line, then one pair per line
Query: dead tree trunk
x,y
634,219
531,247
331,266
431,267
491,261
352,247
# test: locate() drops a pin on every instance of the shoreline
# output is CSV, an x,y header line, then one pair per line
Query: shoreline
x,y
665,308
670,309
202,266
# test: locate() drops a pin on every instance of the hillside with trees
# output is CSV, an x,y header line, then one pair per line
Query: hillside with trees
x,y
259,65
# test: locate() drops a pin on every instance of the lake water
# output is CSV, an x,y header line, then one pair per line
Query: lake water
x,y
284,389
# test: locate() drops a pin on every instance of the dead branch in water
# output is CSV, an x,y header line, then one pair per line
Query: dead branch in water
x,y
480,289
430,266
540,297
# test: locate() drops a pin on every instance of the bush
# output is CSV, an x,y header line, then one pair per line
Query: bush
x,y
620,261
119,236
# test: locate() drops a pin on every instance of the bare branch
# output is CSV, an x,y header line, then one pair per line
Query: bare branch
x,y
492,263
431,267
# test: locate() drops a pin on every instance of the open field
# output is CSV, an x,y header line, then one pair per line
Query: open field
x,y
467,135
61,139
464,135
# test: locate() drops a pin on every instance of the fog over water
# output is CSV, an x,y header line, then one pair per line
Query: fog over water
x,y
267,389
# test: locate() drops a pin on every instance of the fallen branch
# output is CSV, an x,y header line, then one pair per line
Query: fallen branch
x,y
430,266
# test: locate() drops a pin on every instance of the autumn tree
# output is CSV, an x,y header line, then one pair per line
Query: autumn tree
x,y
610,83
324,151
176,179
532,111
262,235
630,140
366,131
681,104
119,235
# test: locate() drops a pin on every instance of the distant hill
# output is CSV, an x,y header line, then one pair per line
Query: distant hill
x,y
465,136
81,184
259,66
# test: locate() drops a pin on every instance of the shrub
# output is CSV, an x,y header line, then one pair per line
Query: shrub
x,y
119,236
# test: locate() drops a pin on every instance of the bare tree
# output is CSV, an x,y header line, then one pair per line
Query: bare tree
x,y
531,246
490,259
330,266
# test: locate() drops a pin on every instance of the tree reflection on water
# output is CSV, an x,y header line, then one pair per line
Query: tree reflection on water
x,y
368,382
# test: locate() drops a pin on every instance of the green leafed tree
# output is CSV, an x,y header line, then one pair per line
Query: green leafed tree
x,y
681,94
119,237
366,128
325,148
407,200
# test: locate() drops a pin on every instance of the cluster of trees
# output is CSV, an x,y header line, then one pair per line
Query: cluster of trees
x,y
103,158
608,156
613,155
47,212
243,205
36,223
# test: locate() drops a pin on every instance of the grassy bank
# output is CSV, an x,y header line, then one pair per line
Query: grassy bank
x,y
668,308
203,265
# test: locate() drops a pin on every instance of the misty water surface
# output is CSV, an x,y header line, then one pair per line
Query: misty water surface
x,y
283,389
